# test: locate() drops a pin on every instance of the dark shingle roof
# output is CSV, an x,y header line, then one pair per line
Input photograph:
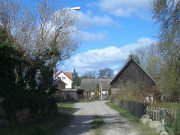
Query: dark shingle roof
x,y
125,66
89,85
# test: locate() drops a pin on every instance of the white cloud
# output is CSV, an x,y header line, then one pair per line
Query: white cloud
x,y
87,20
112,57
90,37
124,8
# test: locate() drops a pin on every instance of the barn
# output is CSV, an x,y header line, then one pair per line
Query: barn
x,y
130,75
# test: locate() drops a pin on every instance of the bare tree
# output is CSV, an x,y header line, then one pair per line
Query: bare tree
x,y
43,36
41,30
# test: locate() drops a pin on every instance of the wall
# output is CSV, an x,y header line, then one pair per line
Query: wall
x,y
66,80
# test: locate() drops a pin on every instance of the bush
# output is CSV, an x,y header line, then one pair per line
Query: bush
x,y
177,124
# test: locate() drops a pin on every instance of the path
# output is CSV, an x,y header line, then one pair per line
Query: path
x,y
83,115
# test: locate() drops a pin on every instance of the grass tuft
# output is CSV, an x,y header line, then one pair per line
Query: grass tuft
x,y
97,125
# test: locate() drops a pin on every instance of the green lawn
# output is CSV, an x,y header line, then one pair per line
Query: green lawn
x,y
48,126
143,129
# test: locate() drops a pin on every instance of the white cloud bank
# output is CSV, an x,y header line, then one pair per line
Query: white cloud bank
x,y
112,57
84,36
88,20
125,8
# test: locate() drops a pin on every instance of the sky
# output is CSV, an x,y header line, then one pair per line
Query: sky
x,y
109,30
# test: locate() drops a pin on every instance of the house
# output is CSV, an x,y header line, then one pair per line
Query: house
x,y
90,85
66,77
130,75
61,85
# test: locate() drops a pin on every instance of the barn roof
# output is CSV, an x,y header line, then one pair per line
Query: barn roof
x,y
124,68
89,85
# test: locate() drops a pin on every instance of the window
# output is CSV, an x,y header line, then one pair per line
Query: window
x,y
63,78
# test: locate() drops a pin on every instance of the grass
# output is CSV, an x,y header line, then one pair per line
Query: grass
x,y
143,129
169,105
97,125
169,129
84,101
48,126
124,113
66,107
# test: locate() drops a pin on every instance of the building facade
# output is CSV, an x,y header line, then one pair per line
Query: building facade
x,y
66,77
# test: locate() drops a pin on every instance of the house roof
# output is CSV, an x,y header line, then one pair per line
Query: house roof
x,y
57,73
125,66
89,85
68,74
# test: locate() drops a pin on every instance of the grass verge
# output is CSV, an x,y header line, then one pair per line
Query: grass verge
x,y
143,129
66,107
48,126
97,124
169,105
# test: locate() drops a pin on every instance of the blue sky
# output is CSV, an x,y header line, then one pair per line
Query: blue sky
x,y
109,31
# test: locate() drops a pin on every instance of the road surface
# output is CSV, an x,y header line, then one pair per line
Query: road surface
x,y
84,114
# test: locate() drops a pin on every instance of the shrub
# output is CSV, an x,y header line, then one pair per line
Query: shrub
x,y
177,124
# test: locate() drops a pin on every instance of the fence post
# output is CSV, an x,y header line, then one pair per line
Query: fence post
x,y
147,110
162,115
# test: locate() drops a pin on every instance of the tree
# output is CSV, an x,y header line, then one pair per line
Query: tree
x,y
135,57
97,90
90,74
42,35
166,13
108,72
76,80
150,60
32,42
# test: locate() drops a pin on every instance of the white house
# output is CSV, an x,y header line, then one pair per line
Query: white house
x,y
66,77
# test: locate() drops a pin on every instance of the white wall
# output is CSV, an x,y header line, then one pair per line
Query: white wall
x,y
66,80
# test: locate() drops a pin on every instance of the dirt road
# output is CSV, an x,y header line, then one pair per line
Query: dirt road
x,y
84,113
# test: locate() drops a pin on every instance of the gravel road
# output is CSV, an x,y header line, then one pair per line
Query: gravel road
x,y
84,114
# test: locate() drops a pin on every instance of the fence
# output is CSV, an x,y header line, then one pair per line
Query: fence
x,y
138,109
160,114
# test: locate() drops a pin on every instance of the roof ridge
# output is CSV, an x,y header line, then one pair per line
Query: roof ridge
x,y
125,66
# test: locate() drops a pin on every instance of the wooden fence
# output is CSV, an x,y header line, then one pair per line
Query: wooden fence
x,y
160,114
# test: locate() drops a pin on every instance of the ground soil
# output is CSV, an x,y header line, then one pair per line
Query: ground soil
x,y
84,114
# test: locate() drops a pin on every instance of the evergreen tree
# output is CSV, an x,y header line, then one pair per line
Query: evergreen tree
x,y
97,90
76,80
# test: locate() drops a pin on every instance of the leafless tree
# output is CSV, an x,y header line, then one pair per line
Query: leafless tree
x,y
40,30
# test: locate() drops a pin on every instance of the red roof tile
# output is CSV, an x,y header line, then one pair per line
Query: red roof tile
x,y
57,73
68,74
